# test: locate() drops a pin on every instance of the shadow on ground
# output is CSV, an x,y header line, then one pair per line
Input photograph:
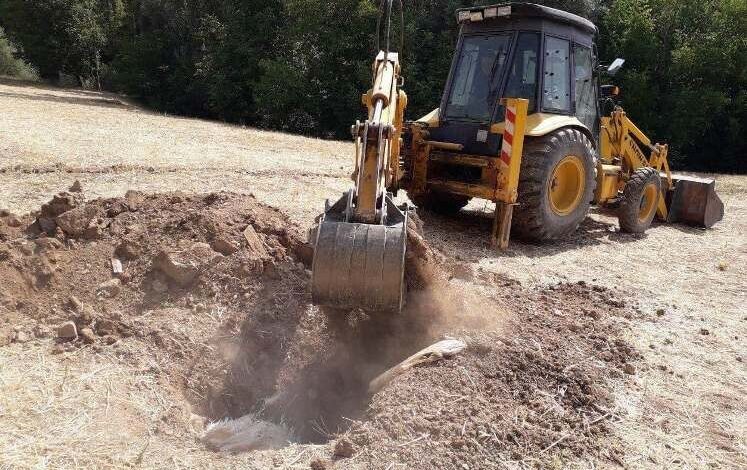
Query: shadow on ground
x,y
469,232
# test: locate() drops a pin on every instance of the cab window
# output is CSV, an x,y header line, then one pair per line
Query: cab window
x,y
556,92
586,104
522,76
481,60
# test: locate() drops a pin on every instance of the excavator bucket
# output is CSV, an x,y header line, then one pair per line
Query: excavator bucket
x,y
359,265
694,201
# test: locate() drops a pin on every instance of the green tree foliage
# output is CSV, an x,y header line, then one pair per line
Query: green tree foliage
x,y
10,65
301,65
685,79
63,36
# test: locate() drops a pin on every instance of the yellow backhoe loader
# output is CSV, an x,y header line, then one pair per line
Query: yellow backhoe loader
x,y
524,123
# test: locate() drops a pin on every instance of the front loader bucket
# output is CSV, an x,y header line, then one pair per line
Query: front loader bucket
x,y
694,201
360,265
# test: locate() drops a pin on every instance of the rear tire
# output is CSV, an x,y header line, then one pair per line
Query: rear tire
x,y
639,200
440,203
556,185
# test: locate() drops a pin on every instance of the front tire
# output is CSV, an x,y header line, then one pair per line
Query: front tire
x,y
556,185
639,200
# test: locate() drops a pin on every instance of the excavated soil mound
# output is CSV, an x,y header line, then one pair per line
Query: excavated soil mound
x,y
535,394
210,293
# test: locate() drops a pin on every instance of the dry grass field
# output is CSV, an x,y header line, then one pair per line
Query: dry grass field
x,y
685,407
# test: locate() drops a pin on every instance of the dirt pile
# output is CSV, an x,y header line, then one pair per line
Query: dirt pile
x,y
172,271
535,394
210,294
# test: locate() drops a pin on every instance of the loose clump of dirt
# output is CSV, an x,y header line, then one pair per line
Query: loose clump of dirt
x,y
211,293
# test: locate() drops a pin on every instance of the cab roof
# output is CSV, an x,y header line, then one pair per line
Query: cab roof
x,y
523,10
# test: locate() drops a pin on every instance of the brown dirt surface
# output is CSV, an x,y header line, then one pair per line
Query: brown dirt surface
x,y
234,334
586,353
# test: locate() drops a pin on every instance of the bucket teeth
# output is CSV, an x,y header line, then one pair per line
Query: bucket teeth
x,y
360,265
694,201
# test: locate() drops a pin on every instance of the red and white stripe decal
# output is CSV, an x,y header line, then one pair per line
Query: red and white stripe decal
x,y
508,134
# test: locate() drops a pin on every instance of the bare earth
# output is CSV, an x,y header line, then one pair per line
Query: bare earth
x,y
683,408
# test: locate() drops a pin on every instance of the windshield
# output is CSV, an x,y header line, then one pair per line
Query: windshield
x,y
481,63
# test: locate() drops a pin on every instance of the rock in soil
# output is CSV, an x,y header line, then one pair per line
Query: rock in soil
x,y
110,288
76,187
21,337
74,304
76,222
60,204
87,335
67,331
128,250
225,246
344,449
184,266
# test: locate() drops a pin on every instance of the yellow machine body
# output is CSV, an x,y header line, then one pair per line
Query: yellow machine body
x,y
502,125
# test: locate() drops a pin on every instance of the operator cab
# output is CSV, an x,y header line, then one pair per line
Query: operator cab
x,y
517,50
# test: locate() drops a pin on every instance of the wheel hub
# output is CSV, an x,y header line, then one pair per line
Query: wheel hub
x,y
566,185
648,203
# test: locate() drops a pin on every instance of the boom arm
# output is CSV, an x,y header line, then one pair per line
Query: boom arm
x,y
378,140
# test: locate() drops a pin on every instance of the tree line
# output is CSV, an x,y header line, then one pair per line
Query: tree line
x,y
301,65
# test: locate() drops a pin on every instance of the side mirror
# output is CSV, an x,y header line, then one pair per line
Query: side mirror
x,y
615,66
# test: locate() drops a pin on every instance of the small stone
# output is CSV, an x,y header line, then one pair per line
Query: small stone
x,y
225,246
74,304
47,244
84,317
13,221
183,267
105,327
76,222
128,250
704,331
41,331
67,331
87,335
344,448
76,187
93,232
118,207
21,337
110,288
629,369
173,265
